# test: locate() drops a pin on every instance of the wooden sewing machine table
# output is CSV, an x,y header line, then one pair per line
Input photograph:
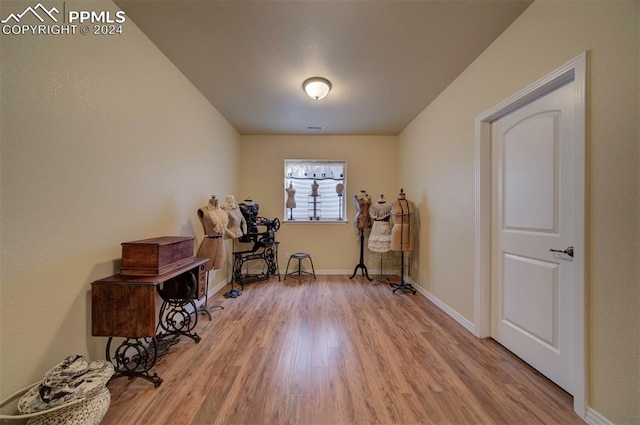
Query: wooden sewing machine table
x,y
126,306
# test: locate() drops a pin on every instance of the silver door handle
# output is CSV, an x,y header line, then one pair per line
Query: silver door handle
x,y
568,251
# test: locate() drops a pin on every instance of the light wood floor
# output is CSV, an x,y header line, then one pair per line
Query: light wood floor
x,y
336,351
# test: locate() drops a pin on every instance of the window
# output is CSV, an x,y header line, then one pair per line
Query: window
x,y
314,190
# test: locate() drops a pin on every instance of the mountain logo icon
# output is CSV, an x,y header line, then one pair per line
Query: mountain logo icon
x,y
38,11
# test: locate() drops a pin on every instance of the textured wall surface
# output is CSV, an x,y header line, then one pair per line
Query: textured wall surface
x,y
103,141
372,165
437,151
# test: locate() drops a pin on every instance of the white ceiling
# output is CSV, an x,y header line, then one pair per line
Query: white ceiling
x,y
387,60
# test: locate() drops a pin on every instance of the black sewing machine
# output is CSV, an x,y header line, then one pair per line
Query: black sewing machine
x,y
260,231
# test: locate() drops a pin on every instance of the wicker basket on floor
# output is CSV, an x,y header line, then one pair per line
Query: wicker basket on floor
x,y
83,411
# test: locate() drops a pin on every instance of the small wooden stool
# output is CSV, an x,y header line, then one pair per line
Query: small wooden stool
x,y
299,274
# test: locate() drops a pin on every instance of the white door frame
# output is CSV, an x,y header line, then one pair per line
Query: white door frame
x,y
575,70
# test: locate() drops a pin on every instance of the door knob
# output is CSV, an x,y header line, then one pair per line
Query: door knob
x,y
568,251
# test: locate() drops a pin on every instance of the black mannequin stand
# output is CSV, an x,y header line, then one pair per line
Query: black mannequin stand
x,y
206,308
402,286
380,277
361,264
234,293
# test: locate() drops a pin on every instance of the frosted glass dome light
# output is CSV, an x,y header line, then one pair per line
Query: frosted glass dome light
x,y
317,87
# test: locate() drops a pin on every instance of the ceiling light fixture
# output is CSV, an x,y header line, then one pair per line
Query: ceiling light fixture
x,y
317,87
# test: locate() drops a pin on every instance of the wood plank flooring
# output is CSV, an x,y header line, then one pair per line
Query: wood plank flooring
x,y
336,351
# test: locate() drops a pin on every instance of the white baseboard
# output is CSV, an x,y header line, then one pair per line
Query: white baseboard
x,y
372,274
595,418
333,272
444,307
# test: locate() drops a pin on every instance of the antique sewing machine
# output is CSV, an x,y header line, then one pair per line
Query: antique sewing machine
x,y
125,305
260,233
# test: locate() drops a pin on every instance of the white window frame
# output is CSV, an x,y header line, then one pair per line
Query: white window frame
x,y
326,172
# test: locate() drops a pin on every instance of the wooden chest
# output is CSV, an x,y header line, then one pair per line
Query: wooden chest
x,y
155,256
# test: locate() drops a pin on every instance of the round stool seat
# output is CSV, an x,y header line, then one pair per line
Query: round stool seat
x,y
300,274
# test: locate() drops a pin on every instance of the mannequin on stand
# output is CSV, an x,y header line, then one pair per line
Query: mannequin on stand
x,y
340,192
214,224
380,237
314,214
402,213
362,202
291,199
235,229
236,220
362,222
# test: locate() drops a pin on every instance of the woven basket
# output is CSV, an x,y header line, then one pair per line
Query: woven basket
x,y
84,411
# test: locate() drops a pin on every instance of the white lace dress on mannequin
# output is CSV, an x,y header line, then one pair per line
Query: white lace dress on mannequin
x,y
380,237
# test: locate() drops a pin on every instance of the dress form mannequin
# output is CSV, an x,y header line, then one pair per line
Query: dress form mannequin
x,y
291,199
362,221
340,192
314,214
291,196
236,219
362,202
380,237
214,223
402,211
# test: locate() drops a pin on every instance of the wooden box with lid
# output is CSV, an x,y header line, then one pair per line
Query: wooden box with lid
x,y
156,256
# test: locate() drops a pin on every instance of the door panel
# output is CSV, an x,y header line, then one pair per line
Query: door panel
x,y
530,150
530,291
533,204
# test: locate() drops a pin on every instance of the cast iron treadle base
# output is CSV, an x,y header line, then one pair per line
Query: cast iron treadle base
x,y
134,357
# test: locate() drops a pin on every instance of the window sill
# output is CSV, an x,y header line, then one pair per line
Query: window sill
x,y
287,221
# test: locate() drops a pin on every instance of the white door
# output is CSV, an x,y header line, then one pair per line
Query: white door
x,y
533,207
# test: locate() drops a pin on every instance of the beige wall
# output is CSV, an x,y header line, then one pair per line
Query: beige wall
x,y
103,141
437,155
372,165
